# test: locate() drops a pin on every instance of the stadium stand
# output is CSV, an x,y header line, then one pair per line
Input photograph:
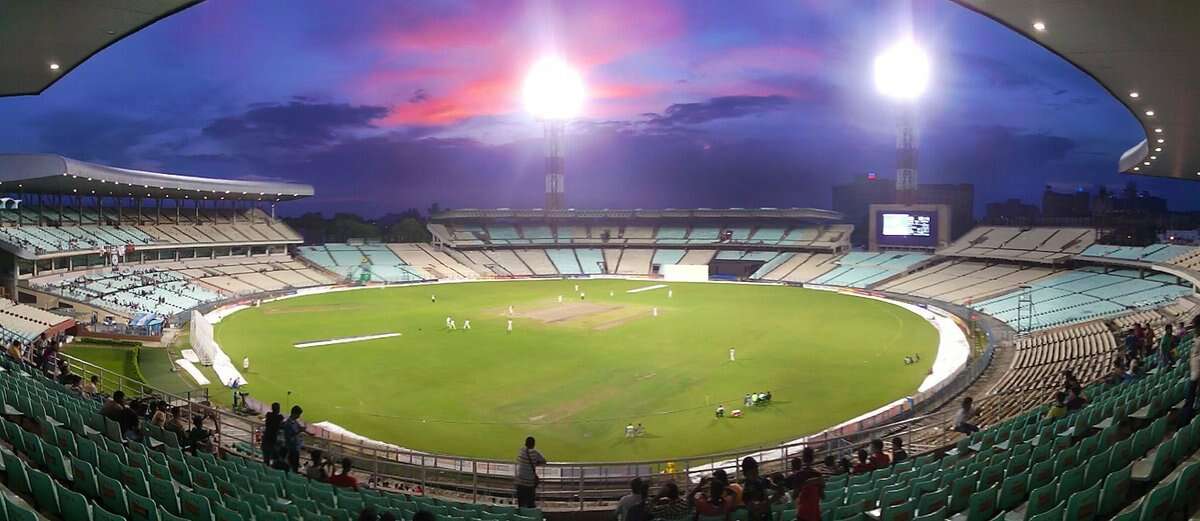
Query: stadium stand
x,y
1026,244
963,282
375,262
127,290
862,269
536,261
1084,294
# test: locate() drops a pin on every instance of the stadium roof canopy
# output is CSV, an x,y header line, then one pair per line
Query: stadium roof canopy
x,y
1147,47
52,174
37,35
808,214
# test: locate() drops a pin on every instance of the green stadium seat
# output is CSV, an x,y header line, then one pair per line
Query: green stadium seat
x,y
15,471
1187,488
73,505
933,501
1070,482
112,495
1013,491
15,512
1114,492
142,508
1053,514
44,494
163,493
167,516
100,514
1157,505
1083,505
194,507
939,515
982,505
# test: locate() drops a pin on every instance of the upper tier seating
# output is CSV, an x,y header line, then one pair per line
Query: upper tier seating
x,y
1032,244
961,282
513,235
1157,253
432,261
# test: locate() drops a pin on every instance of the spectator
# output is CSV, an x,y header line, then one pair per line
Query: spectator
x,y
368,514
864,462
829,465
1189,402
114,407
159,419
270,434
1166,348
91,387
879,459
898,452
424,515
632,506
317,470
668,504
199,439
844,466
757,492
733,488
1058,408
387,516
712,498
528,459
962,420
808,487
293,437
175,423
1074,390
344,479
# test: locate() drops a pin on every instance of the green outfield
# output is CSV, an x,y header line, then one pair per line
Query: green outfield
x,y
574,374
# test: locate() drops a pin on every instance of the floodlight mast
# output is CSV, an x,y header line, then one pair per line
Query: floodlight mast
x,y
554,94
902,73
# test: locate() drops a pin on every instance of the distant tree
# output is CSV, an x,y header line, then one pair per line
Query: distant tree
x,y
409,229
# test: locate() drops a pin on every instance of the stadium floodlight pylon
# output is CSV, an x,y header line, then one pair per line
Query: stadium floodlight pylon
x,y
554,93
902,74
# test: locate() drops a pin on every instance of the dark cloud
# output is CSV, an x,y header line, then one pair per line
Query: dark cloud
x,y
419,96
294,125
723,107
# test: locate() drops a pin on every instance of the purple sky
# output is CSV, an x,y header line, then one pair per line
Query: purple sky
x,y
704,103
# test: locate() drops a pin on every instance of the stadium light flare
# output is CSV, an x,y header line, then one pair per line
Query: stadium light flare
x,y
902,71
53,66
553,90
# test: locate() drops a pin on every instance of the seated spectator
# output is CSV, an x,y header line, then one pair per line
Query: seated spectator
x,y
114,407
318,467
668,504
198,438
844,466
863,466
1074,390
712,498
344,479
424,515
962,419
879,459
160,417
898,452
632,506
368,514
1058,408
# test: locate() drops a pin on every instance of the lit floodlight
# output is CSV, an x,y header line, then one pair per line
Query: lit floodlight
x,y
902,72
553,90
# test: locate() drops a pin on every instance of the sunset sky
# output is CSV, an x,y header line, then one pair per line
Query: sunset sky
x,y
384,106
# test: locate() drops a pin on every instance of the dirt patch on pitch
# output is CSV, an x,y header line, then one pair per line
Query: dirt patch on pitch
x,y
566,312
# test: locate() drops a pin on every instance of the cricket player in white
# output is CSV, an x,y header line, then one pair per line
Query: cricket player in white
x,y
670,293
466,324
433,299
452,327
577,288
654,312
448,321
510,311
246,363
732,354
509,326
560,299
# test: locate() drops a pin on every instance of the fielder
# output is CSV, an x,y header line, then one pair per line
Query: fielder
x,y
577,288
560,299
466,324
732,355
670,293
654,312
509,330
448,321
246,363
452,327
433,299
510,311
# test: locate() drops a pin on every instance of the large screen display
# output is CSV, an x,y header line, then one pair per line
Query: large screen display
x,y
907,225
912,228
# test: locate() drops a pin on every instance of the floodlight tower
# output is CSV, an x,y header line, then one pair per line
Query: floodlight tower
x,y
554,93
902,73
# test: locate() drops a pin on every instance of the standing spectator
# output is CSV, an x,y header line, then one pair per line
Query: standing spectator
x,y
668,504
632,506
528,460
1074,390
344,479
962,420
879,459
1166,348
293,437
808,487
757,492
270,434
898,452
